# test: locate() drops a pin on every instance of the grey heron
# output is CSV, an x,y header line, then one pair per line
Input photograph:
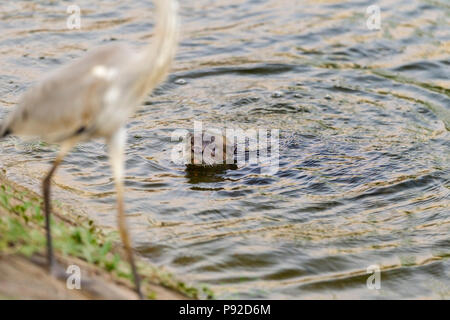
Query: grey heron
x,y
93,98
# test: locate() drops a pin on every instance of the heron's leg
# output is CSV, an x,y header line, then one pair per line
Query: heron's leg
x,y
65,148
116,153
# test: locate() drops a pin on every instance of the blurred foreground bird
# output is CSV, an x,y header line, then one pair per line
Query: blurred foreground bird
x,y
93,98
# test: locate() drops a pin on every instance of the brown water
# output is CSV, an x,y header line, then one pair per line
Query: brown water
x,y
364,173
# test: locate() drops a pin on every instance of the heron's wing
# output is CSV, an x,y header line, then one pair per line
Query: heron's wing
x,y
71,98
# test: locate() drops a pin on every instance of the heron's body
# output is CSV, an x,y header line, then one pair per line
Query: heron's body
x,y
74,99
93,97
95,94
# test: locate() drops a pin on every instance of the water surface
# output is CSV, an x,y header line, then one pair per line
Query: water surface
x,y
364,142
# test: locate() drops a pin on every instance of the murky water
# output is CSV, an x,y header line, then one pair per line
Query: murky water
x,y
364,115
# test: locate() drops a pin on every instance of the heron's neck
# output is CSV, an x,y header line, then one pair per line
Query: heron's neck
x,y
158,56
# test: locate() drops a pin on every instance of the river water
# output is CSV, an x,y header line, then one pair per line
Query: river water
x,y
364,119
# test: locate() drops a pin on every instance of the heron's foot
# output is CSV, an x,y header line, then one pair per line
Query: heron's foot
x,y
140,295
137,286
137,280
57,270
